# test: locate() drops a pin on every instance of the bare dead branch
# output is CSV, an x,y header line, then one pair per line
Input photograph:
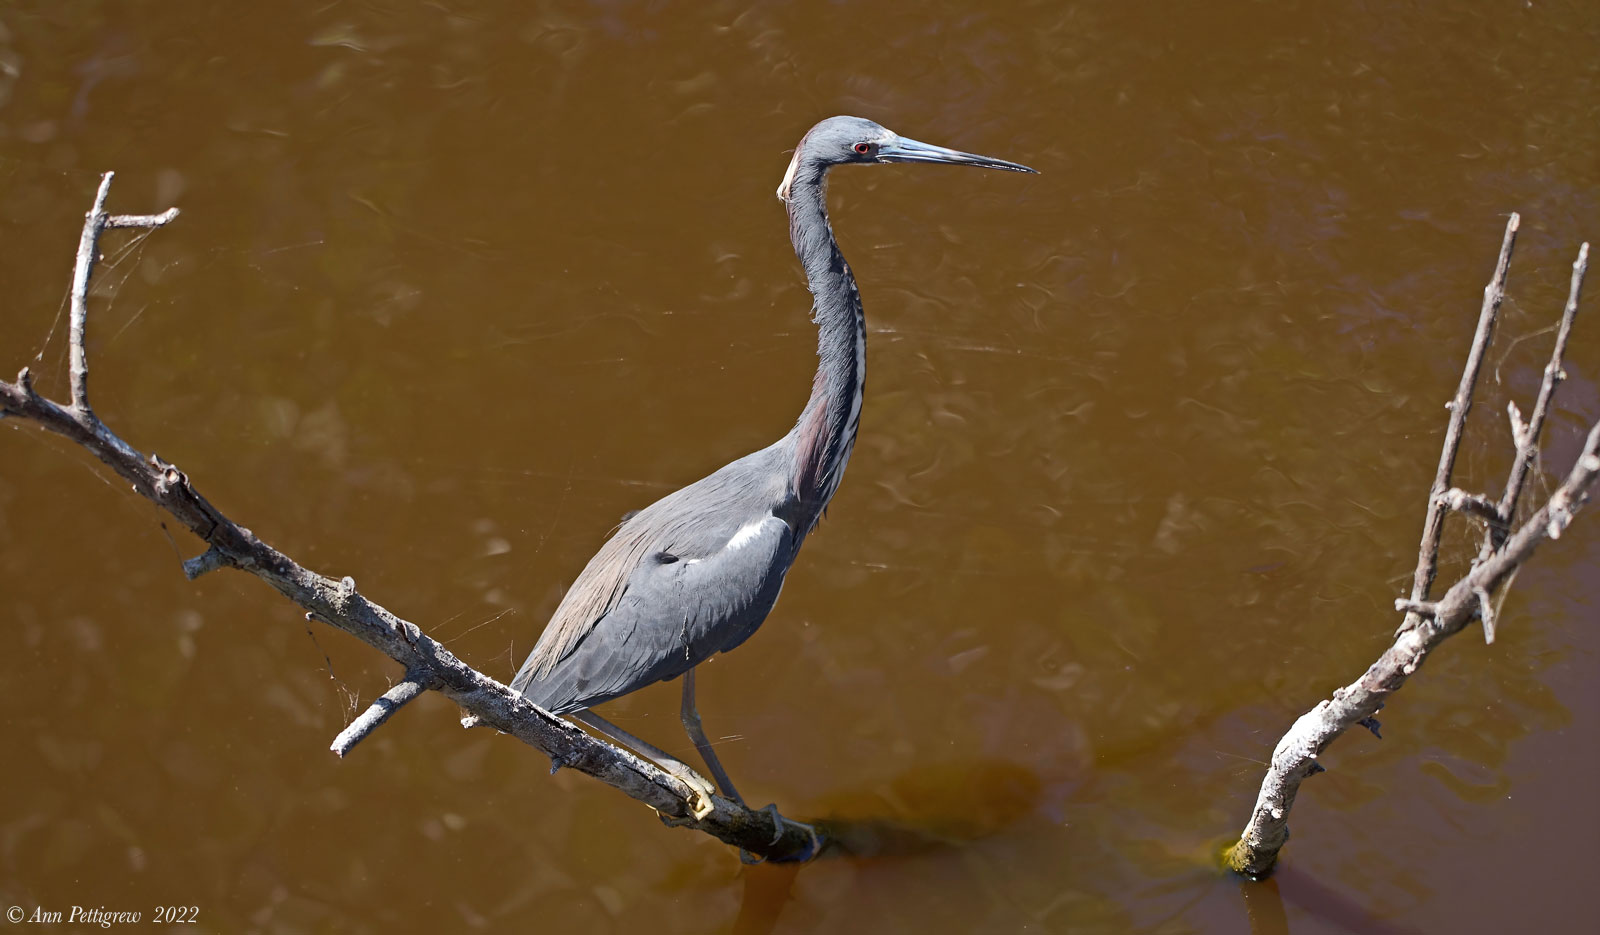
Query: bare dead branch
x,y
1428,623
403,691
1295,756
88,252
341,605
94,224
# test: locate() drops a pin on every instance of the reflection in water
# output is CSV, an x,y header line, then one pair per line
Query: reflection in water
x,y
1263,905
767,889
1264,902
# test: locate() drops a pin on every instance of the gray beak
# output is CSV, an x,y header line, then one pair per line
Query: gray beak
x,y
904,150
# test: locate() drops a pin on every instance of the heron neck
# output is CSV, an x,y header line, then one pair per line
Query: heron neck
x,y
826,429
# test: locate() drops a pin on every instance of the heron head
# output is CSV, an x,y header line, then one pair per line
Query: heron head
x,y
840,140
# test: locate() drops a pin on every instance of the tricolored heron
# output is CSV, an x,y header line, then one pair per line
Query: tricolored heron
x,y
696,572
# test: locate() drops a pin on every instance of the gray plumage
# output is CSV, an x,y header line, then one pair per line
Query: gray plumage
x,y
696,572
667,591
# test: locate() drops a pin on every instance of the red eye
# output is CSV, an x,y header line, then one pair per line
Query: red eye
x,y
862,148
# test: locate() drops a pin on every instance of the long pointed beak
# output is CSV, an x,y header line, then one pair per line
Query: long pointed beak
x,y
904,150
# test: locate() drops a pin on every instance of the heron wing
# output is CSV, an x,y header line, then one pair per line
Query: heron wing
x,y
592,596
674,612
687,527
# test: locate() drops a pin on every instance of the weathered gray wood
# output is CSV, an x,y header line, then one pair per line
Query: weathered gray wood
x,y
398,696
88,253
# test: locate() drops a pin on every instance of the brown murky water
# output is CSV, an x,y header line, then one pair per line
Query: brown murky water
x,y
1142,465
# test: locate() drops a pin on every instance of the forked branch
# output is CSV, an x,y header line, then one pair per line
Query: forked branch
x,y
338,603
1473,597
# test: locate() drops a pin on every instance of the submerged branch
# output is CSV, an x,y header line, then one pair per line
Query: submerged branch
x,y
1429,623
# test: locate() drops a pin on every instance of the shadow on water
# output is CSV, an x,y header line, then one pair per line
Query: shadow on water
x,y
930,808
926,810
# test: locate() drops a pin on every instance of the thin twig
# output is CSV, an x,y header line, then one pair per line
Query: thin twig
x,y
403,691
1425,609
1433,525
88,252
1485,613
94,224
142,220
1476,504
1528,444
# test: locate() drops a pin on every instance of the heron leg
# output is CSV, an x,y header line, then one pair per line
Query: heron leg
x,y
697,733
697,783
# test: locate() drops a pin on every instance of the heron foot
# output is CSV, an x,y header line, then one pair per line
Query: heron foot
x,y
700,804
778,823
699,801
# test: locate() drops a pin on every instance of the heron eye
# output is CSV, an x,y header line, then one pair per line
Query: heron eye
x,y
862,148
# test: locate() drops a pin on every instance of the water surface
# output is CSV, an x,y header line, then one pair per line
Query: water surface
x,y
1142,463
